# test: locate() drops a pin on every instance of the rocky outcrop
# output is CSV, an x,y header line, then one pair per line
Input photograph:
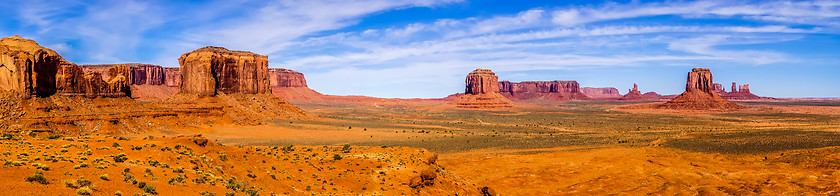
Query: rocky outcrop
x,y
138,74
718,88
482,91
601,93
32,70
633,94
286,78
699,94
209,70
172,76
741,92
548,90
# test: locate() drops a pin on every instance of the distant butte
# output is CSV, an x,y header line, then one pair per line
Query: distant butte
x,y
544,90
699,94
211,70
482,92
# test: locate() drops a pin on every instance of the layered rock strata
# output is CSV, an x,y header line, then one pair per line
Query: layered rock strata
x,y
209,70
172,76
482,91
32,70
601,93
549,90
699,94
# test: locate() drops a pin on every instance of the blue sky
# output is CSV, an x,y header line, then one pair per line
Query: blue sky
x,y
425,48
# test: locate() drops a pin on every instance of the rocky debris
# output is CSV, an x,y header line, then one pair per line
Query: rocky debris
x,y
172,76
210,70
634,94
286,78
549,90
699,94
487,191
426,178
32,70
482,91
599,93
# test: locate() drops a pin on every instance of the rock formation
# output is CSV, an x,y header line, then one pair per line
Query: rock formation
x,y
633,94
699,94
32,70
482,91
601,93
741,92
172,76
147,74
548,90
286,78
718,88
209,70
653,95
291,85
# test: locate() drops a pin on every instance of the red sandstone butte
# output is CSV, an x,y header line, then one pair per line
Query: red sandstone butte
x,y
210,70
699,94
547,90
634,94
32,70
482,92
741,92
291,85
601,93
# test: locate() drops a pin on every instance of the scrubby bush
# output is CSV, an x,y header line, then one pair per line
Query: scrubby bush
x,y
37,177
84,191
120,158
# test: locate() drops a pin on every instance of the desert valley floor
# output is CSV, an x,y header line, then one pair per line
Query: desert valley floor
x,y
378,147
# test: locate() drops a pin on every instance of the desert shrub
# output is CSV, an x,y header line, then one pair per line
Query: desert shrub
x,y
122,138
104,177
178,169
52,137
41,166
337,157
149,189
37,177
84,191
223,157
177,178
83,182
120,158
346,148
206,193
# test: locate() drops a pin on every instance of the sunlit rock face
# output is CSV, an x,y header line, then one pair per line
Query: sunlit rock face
x,y
210,70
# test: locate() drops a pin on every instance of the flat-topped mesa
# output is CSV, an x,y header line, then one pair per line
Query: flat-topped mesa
x,y
286,78
599,93
699,94
482,91
551,90
210,70
32,70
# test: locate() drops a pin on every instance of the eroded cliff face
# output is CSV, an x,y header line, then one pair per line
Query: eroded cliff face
x,y
32,70
209,70
550,90
482,91
600,93
172,76
286,78
699,94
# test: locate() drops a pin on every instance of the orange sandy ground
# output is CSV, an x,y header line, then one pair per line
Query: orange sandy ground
x,y
294,170
649,170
